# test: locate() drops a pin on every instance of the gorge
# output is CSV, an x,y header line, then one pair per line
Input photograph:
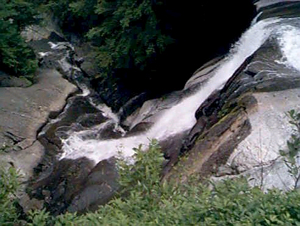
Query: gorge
x,y
238,129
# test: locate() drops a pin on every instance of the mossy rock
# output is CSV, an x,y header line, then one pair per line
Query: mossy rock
x,y
15,82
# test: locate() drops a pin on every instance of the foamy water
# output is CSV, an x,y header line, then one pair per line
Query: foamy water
x,y
181,117
289,41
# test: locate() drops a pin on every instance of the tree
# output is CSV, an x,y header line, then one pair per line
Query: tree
x,y
77,16
15,55
130,34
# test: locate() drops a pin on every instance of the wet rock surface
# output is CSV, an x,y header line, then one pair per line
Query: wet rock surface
x,y
98,188
242,127
76,185
263,4
277,8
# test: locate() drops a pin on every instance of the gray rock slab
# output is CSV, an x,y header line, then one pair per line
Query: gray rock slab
x,y
23,111
270,131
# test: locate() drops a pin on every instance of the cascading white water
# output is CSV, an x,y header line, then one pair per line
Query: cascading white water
x,y
179,118
289,41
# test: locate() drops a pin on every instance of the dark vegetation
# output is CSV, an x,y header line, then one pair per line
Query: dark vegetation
x,y
156,44
16,58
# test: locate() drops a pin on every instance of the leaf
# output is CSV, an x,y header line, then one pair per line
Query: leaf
x,y
282,153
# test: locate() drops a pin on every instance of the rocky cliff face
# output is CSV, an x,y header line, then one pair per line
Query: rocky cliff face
x,y
241,128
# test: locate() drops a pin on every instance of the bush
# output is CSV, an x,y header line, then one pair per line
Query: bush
x,y
16,57
8,188
146,200
72,15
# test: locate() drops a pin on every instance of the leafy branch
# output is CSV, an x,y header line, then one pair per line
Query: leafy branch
x,y
292,154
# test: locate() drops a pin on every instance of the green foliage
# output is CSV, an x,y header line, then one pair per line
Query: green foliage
x,y
145,173
8,187
19,12
73,15
292,154
39,218
84,9
16,57
146,200
129,35
4,148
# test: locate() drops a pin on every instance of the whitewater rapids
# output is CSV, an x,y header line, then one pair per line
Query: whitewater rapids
x,y
181,117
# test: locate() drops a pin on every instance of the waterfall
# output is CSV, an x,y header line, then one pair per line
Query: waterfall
x,y
289,42
254,21
180,117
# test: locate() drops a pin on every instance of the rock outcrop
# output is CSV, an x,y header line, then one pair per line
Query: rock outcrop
x,y
241,128
24,111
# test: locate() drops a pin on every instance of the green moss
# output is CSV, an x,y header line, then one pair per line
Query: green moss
x,y
4,148
28,81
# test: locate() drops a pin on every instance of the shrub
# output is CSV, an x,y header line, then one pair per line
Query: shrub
x,y
8,188
146,200
16,57
72,15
